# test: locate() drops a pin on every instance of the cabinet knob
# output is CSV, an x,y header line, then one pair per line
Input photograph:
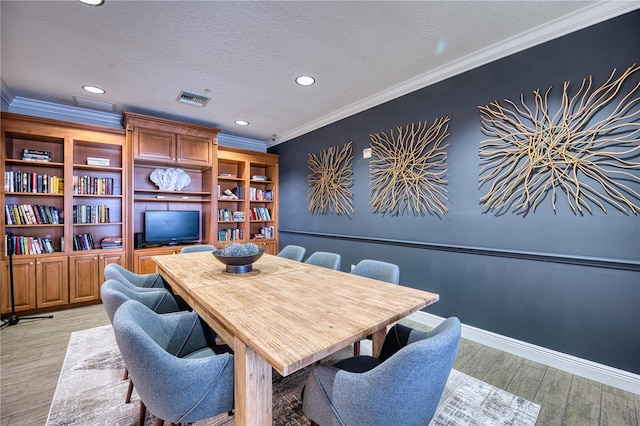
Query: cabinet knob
x,y
30,263
38,263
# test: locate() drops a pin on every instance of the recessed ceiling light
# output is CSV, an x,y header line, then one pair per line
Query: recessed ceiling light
x,y
92,2
305,80
93,89
242,122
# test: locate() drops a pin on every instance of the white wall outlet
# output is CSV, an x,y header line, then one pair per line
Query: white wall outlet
x,y
366,153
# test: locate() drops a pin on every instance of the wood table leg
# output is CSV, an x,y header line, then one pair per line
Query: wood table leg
x,y
377,341
253,389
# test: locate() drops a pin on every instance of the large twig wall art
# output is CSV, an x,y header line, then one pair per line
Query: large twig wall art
x,y
408,170
330,181
586,149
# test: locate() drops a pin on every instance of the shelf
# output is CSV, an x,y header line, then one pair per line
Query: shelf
x,y
34,163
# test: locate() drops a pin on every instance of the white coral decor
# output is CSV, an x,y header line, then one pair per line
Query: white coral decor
x,y
170,179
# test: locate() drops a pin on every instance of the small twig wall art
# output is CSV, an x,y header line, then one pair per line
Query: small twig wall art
x,y
587,149
408,170
330,181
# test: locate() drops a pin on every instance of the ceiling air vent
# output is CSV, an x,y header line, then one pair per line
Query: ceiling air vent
x,y
191,99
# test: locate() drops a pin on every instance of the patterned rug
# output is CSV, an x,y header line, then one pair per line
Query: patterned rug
x,y
91,391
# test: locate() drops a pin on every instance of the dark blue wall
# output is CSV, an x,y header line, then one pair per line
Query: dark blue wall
x,y
559,280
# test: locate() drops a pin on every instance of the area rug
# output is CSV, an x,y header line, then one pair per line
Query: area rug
x,y
91,390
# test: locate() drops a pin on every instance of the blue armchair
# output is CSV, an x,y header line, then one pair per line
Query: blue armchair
x,y
114,271
178,378
401,387
325,259
293,252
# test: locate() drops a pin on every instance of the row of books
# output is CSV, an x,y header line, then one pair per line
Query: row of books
x,y
92,185
227,215
28,245
230,234
36,155
256,194
91,214
83,242
32,214
260,213
265,232
19,181
111,242
235,193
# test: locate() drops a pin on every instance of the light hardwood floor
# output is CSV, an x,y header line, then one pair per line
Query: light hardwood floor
x,y
32,353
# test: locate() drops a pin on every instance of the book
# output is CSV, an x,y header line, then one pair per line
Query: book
x,y
96,161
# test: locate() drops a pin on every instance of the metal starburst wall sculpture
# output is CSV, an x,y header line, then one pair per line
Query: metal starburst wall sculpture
x,y
585,150
408,170
330,181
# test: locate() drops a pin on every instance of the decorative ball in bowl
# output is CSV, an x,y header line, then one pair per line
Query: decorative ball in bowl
x,y
239,258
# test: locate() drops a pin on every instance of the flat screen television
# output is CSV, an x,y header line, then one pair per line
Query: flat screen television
x,y
171,227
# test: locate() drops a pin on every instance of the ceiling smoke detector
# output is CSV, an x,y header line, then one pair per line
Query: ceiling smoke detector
x,y
192,99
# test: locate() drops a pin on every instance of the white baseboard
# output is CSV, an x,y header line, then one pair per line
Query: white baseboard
x,y
620,379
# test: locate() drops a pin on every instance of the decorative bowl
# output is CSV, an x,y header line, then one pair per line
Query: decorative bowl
x,y
238,264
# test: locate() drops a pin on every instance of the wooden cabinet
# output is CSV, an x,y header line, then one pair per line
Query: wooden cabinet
x,y
63,194
143,262
170,143
87,275
161,144
38,282
250,213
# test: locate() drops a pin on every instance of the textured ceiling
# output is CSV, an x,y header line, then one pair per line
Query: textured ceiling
x,y
245,55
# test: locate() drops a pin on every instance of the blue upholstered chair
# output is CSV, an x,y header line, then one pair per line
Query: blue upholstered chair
x,y
114,293
293,252
325,259
196,248
401,387
177,376
114,271
377,270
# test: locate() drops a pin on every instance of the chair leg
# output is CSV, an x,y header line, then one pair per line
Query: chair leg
x,y
356,348
129,392
159,422
142,413
126,374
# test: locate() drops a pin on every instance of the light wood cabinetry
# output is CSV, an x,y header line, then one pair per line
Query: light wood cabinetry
x,y
58,204
160,144
143,262
251,213
87,274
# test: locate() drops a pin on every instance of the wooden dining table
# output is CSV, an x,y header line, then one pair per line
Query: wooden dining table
x,y
284,315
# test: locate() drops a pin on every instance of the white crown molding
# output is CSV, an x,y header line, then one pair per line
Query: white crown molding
x,y
45,109
240,142
580,367
20,105
5,93
584,18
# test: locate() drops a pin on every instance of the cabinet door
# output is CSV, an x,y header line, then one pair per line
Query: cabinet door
x,y
52,275
194,151
268,246
84,285
143,262
106,259
154,145
24,285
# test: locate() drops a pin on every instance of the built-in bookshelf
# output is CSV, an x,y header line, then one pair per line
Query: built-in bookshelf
x,y
63,186
247,184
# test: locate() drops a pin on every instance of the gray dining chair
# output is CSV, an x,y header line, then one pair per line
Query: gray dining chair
x,y
177,376
325,259
377,270
114,294
114,271
403,386
197,248
293,252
